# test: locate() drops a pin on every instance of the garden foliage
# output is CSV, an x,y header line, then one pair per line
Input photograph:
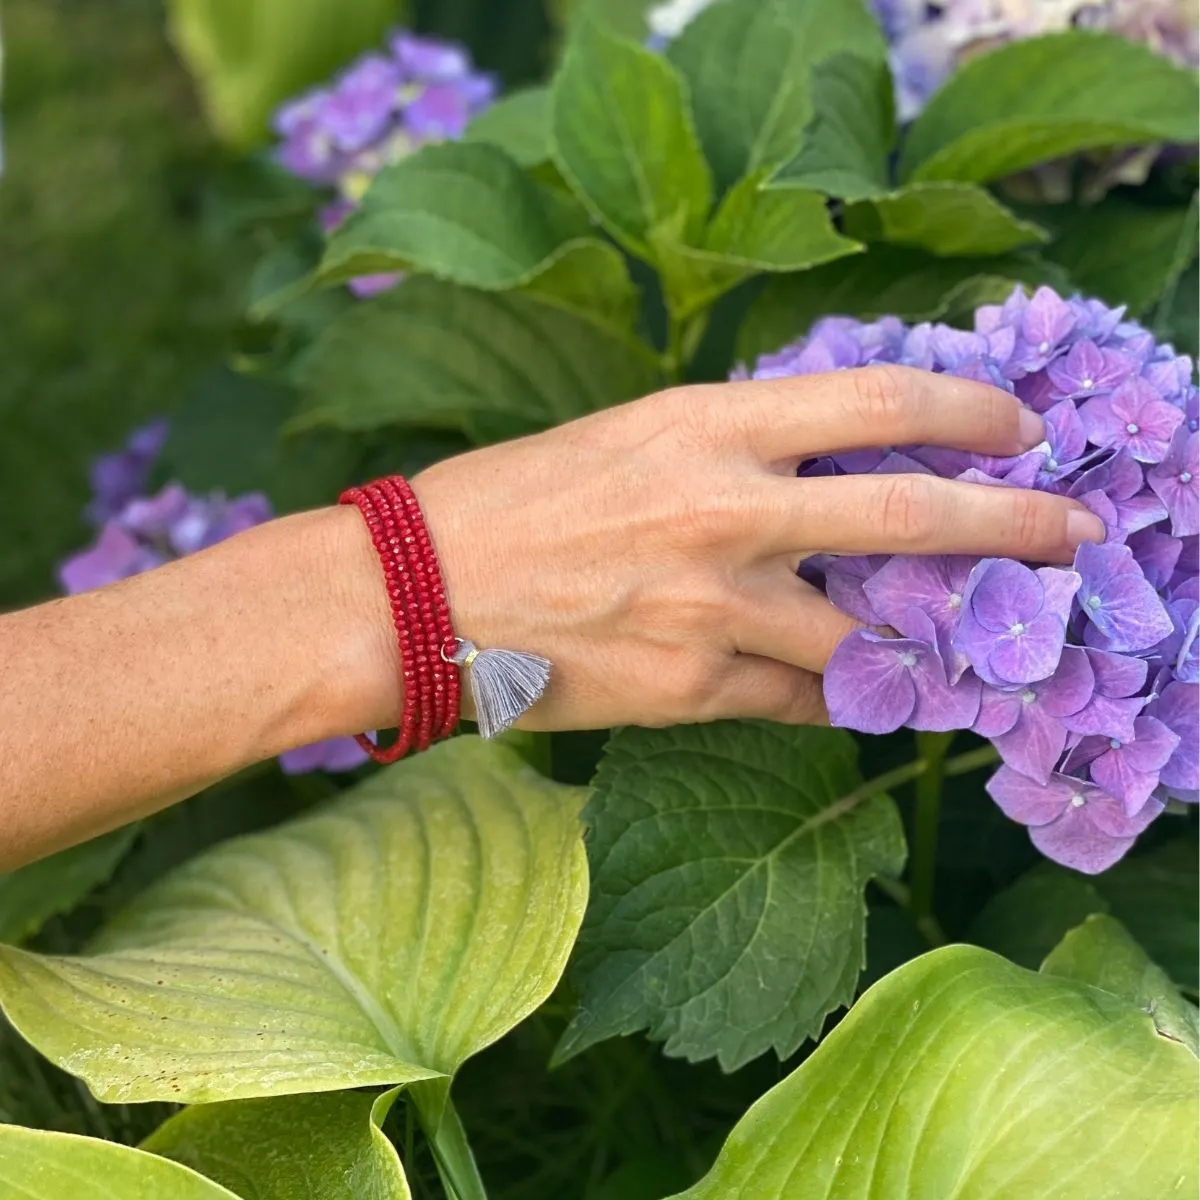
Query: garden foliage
x,y
854,977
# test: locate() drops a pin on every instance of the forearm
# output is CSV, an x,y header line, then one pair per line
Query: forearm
x,y
275,638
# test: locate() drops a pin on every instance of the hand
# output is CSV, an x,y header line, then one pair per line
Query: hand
x,y
650,551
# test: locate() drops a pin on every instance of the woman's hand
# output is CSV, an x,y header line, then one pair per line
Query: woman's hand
x,y
650,550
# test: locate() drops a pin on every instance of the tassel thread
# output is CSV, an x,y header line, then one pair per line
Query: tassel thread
x,y
505,684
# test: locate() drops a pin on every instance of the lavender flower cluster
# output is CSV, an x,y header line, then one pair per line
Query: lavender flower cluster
x,y
136,532
377,111
1084,679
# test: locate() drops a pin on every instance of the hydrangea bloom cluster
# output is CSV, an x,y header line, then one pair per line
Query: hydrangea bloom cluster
x,y
136,532
1085,679
377,111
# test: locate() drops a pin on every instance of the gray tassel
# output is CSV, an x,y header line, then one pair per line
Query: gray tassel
x,y
504,683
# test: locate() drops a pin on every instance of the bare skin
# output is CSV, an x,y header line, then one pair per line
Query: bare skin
x,y
649,551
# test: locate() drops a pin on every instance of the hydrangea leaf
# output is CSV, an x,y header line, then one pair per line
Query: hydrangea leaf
x,y
846,146
31,895
727,912
1025,921
910,284
749,65
285,1147
952,219
1045,98
1126,253
754,230
963,1075
431,354
626,17
1156,896
622,136
1101,952
38,1165
382,940
460,211
518,123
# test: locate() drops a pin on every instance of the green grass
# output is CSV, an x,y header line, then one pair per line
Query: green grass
x,y
111,299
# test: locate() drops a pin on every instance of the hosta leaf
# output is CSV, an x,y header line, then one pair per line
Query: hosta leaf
x,y
518,123
846,146
955,219
432,354
31,895
754,230
289,1147
1047,97
36,1165
381,940
461,211
622,136
749,65
1101,952
963,1076
729,863
907,283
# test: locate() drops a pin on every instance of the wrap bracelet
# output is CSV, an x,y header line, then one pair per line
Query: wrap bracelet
x,y
504,683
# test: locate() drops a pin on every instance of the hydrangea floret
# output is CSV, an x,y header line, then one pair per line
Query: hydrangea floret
x,y
1084,678
137,531
380,109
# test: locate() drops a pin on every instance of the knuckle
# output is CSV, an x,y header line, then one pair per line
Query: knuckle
x,y
692,687
1030,519
884,396
908,510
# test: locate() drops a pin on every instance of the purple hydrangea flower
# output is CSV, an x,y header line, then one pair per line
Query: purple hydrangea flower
x,y
116,478
1085,679
333,754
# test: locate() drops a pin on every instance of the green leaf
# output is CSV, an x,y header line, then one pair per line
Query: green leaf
x,y
727,911
753,231
962,1075
1101,952
949,219
622,136
431,354
460,211
519,124
288,1147
382,940
1126,253
36,1165
1026,921
250,58
749,65
1156,896
845,148
907,283
1045,98
31,895
625,17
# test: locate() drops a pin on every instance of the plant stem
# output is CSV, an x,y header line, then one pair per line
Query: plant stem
x,y
932,748
447,1139
672,360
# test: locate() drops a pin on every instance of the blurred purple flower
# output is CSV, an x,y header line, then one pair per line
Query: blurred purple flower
x,y
116,478
332,754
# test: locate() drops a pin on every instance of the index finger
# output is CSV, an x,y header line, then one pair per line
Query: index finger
x,y
884,405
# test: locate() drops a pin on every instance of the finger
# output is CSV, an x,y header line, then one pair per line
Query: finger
x,y
882,405
786,619
922,514
772,691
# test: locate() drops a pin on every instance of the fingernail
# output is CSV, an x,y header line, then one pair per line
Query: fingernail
x,y
1083,526
1031,429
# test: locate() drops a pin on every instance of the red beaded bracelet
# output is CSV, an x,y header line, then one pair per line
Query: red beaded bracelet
x,y
425,636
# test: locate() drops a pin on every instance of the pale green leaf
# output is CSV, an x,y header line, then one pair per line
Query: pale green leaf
x,y
947,219
749,64
382,940
963,1077
463,212
432,354
31,895
622,136
1044,98
846,146
727,912
1101,952
519,124
289,1147
36,1165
